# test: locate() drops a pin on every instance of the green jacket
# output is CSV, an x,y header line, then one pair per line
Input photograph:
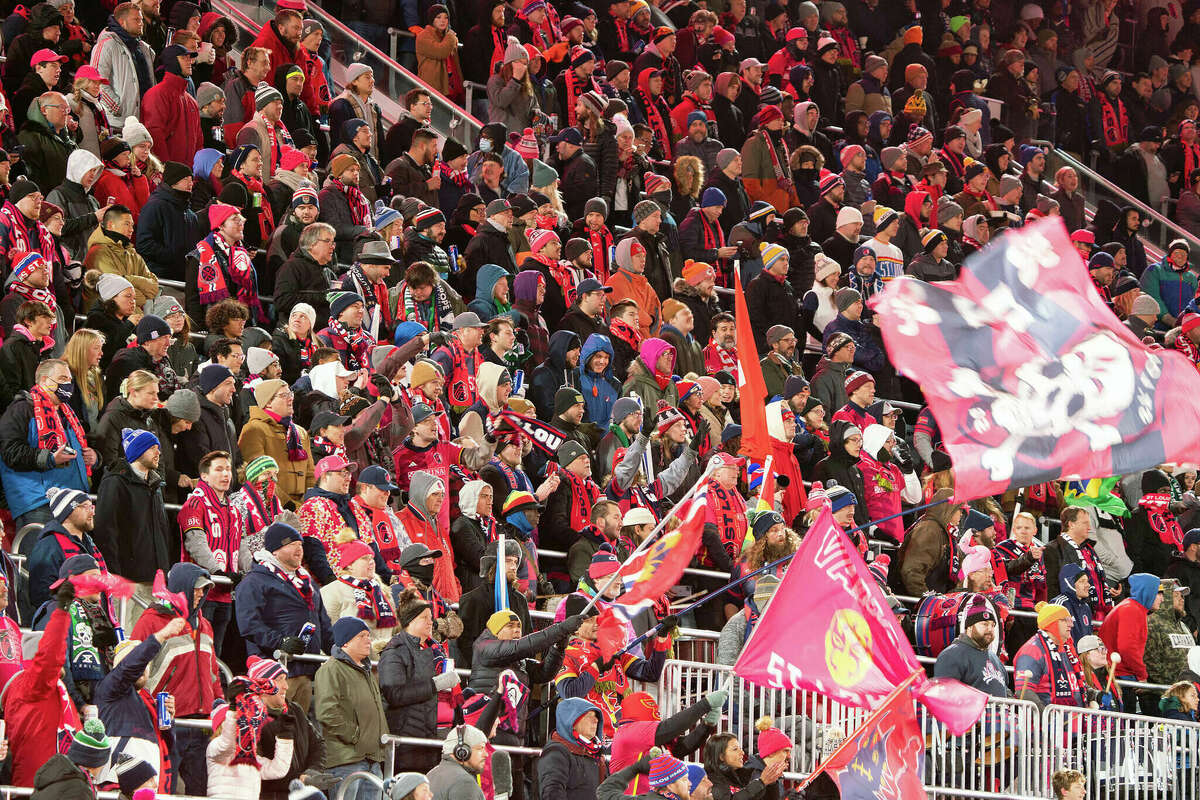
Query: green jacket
x,y
641,382
46,152
1167,643
776,370
350,710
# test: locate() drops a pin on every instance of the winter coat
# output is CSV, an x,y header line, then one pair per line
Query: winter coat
x,y
171,115
489,245
350,710
477,605
406,670
46,150
132,510
1125,629
829,385
434,52
27,471
301,280
308,749
408,179
268,609
928,552
1080,609
1168,641
600,390
1188,574
59,779
167,230
19,358
579,182
979,668
628,285
335,210
509,104
106,438
109,255
1172,289
566,768
241,781
553,374
124,188
48,556
79,207
492,656
840,466
115,61
770,301
122,707
213,431
641,382
868,355
262,435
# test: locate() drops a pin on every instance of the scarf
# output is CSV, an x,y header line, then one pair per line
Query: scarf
x,y
1161,520
778,165
1185,345
217,259
31,293
983,197
19,240
141,68
266,216
622,28
328,448
729,514
601,243
295,443
437,308
725,357
88,661
1191,160
584,494
1114,121
371,604
358,343
714,239
203,510
277,138
567,276
571,81
308,347
627,333
300,580
360,209
1064,674
250,712
499,44
48,422
656,119
262,506
956,163
373,294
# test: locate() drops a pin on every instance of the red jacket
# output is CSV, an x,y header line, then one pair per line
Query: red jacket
x,y
186,666
173,119
794,497
36,706
283,53
128,191
435,538
1125,631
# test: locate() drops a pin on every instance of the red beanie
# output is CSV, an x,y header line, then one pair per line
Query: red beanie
x,y
770,740
351,551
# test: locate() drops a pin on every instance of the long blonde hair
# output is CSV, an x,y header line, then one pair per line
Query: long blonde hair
x,y
89,379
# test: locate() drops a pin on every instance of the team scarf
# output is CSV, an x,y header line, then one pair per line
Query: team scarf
x,y
983,197
1185,345
1065,674
295,442
499,45
359,342
328,448
656,119
32,293
956,163
217,258
373,294
222,525
360,208
381,523
1027,587
1191,160
729,511
308,348
436,308
262,506
48,424
847,45
1114,121
517,481
250,712
778,165
601,242
567,276
622,27
300,580
714,239
1161,520
626,333
584,494
370,603
18,232
88,661
266,216
277,139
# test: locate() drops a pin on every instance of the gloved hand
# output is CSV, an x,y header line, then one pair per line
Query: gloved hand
x,y
647,422
105,637
604,666
385,387
642,765
292,645
697,440
902,456
65,594
668,624
716,701
573,622
234,577
445,681
285,727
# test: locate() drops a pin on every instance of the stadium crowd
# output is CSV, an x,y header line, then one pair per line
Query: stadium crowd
x,y
302,465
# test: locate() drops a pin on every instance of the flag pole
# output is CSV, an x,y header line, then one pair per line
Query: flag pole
x,y
645,543
849,740
772,565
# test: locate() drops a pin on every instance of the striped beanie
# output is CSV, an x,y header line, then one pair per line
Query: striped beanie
x,y
665,770
258,466
427,218
655,183
384,215
305,195
931,239
771,253
518,501
830,182
64,501
264,95
666,418
604,563
26,263
539,238
849,152
263,668
216,717
90,747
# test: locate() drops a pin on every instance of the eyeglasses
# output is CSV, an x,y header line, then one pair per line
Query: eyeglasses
x,y
324,241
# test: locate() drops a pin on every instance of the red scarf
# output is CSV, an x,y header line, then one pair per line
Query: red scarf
x,y
266,217
622,28
584,494
47,420
18,234
1114,121
328,448
627,333
984,198
728,510
714,239
656,119
1161,520
203,510
31,293
300,580
1184,345
262,506
1191,160
779,165
370,602
956,163
250,712
601,242
216,259
358,343
360,209
295,442
379,523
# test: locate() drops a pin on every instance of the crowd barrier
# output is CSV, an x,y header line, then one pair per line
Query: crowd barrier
x,y
1011,752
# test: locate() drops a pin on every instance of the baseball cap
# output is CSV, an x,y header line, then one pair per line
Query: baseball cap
x,y
568,135
324,419
592,285
727,460
333,464
378,477
638,516
468,319
45,55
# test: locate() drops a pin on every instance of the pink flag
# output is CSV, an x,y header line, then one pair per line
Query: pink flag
x,y
854,651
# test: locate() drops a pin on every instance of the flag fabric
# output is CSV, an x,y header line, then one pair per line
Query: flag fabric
x,y
752,389
1029,375
885,758
650,574
762,478
611,633
1096,492
164,595
500,581
854,651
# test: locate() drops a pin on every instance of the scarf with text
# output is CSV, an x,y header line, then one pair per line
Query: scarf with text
x,y
1114,121
216,260
32,293
627,333
358,343
48,418
19,238
656,117
775,143
371,604
328,448
430,312
601,241
584,494
204,511
1161,520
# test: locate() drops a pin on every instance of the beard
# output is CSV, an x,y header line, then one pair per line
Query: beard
x,y
774,552
982,640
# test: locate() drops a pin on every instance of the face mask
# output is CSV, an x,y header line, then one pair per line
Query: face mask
x,y
64,392
485,145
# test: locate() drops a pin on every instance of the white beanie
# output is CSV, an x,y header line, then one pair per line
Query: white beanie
x,y
134,132
306,310
471,737
848,215
110,285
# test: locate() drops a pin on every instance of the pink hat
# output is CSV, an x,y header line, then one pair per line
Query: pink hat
x,y
979,557
527,147
263,668
351,551
772,740
727,460
290,159
45,55
540,237
88,72
219,212
334,464
849,152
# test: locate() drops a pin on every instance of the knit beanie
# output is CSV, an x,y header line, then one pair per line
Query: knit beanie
x,y
665,770
258,466
1049,613
264,95
770,739
90,747
346,628
978,610
136,442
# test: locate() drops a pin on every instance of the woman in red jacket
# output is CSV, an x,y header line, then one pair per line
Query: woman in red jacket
x,y
121,182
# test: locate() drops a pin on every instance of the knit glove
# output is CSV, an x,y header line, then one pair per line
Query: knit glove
x,y
292,645
65,594
698,439
647,422
716,701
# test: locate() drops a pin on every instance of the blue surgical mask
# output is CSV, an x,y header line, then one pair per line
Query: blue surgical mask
x,y
485,145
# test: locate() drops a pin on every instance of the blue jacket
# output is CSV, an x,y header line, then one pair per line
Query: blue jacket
x,y
599,391
48,557
269,608
486,279
1081,610
868,354
27,471
166,231
121,707
1172,288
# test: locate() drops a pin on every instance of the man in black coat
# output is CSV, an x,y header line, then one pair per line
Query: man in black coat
x,y
214,430
579,181
167,229
308,748
131,512
769,297
302,278
647,218
728,178
823,214
153,339
335,206
490,243
21,354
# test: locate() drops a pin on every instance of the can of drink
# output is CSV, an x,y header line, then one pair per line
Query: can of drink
x,y
306,633
448,665
612,255
452,251
165,720
120,632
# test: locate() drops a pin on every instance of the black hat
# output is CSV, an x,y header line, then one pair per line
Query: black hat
x,y
575,247
452,150
150,328
1151,133
521,204
20,188
324,419
174,172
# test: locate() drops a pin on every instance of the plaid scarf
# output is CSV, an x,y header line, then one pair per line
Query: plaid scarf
x,y
371,603
250,712
300,580
48,423
295,442
358,343
360,209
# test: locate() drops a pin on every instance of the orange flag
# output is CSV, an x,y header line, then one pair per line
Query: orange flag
x,y
756,442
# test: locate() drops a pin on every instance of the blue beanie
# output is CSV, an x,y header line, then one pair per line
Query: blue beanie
x,y
137,442
1026,152
346,629
279,535
713,197
1100,259
350,128
840,497
696,116
385,215
407,331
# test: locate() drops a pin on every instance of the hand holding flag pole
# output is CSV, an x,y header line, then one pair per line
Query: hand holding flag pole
x,y
645,543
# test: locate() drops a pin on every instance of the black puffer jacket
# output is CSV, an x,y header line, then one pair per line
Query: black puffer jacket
x,y
131,511
843,468
406,671
492,656
489,245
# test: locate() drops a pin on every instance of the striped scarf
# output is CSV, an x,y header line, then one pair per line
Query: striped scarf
x,y
370,603
48,417
360,209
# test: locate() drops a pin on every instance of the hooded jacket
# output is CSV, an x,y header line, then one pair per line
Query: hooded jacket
x,y
1168,642
171,115
928,557
79,206
884,482
59,779
485,304
600,390
423,527
474,420
46,151
554,373
1081,610
1126,628
642,380
566,768
843,468
406,670
468,535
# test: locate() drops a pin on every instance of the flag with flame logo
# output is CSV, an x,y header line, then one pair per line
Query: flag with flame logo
x,y
854,651
651,574
884,759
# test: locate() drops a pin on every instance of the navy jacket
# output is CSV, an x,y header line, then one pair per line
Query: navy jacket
x,y
167,230
868,355
48,556
122,709
269,608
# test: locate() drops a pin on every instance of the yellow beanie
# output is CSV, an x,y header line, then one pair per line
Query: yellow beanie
x,y
497,621
423,372
1048,613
